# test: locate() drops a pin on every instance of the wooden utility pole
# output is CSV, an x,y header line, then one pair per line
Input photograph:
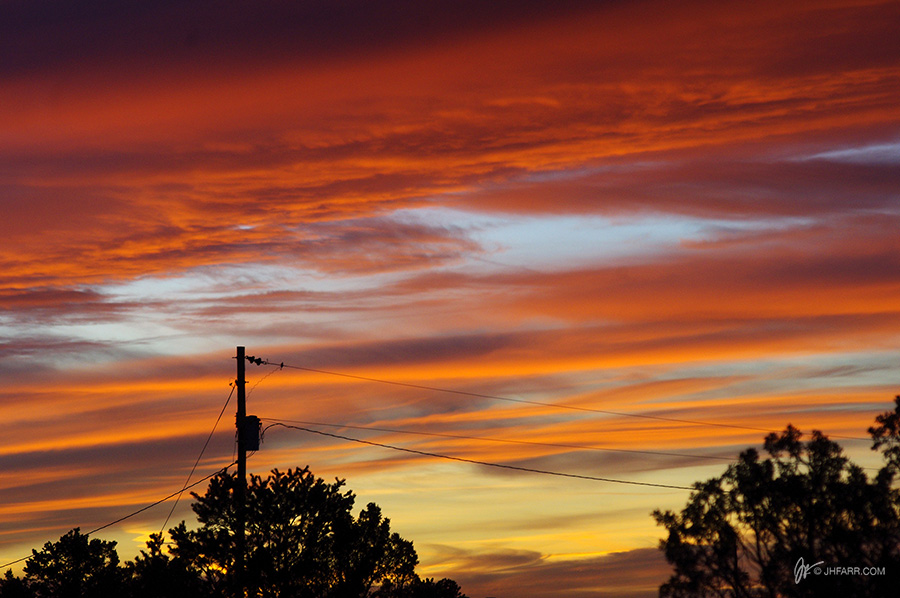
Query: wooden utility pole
x,y
240,495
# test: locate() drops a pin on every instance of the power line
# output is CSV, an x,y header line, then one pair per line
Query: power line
x,y
505,440
479,395
252,388
476,462
139,511
200,456
160,501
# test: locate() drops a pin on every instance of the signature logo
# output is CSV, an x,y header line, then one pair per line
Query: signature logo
x,y
801,569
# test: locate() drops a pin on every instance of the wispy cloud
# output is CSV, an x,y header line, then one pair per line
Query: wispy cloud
x,y
634,574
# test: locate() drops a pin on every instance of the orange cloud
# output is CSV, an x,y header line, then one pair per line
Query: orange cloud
x,y
633,574
184,156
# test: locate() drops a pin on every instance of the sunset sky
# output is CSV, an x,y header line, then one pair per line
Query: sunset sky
x,y
683,210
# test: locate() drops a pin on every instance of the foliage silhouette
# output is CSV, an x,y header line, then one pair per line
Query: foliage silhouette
x,y
302,542
14,587
742,534
153,574
886,436
73,567
302,539
429,588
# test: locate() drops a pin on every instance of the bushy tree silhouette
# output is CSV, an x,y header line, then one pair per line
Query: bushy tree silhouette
x,y
74,567
886,436
761,528
14,587
302,538
429,588
154,574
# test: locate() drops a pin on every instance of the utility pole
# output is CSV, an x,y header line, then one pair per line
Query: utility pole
x,y
240,495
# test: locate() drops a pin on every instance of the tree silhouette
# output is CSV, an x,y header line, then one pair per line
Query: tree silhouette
x,y
886,436
74,567
154,574
14,587
743,534
302,540
429,588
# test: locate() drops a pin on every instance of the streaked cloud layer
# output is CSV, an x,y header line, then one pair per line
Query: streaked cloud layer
x,y
687,212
